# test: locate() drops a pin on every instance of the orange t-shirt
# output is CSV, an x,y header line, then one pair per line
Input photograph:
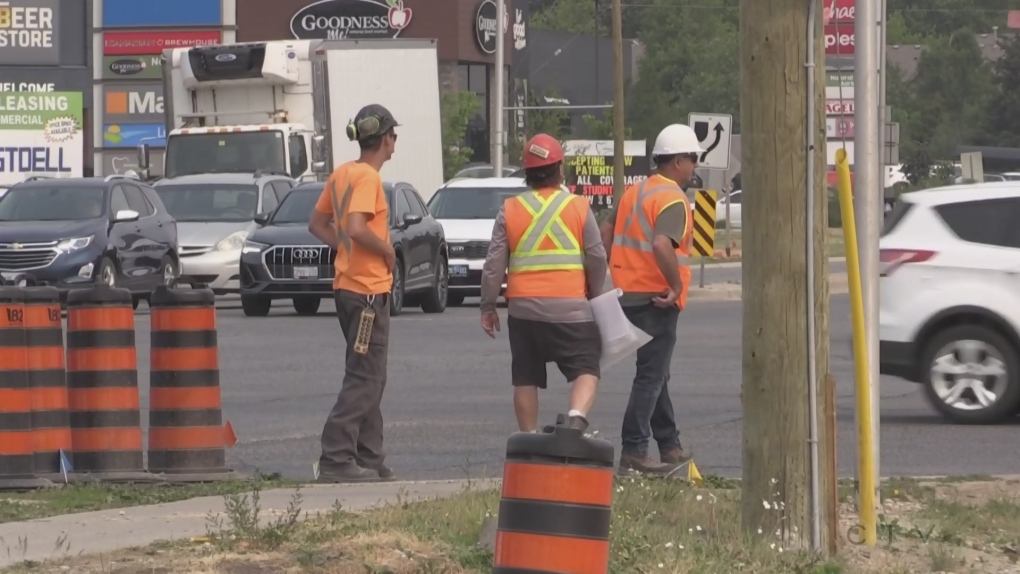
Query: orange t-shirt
x,y
356,187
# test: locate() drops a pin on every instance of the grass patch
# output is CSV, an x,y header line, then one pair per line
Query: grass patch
x,y
75,498
837,246
658,526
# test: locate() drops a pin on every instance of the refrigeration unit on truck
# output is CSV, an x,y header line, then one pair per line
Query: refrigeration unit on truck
x,y
283,107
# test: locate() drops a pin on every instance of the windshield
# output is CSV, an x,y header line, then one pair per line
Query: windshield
x,y
52,204
470,202
210,202
298,205
237,152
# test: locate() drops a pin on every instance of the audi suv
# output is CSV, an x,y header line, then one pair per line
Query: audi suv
x,y
72,233
283,260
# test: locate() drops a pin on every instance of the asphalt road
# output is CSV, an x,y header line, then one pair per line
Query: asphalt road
x,y
448,409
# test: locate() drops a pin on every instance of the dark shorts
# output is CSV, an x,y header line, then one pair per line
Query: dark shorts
x,y
576,348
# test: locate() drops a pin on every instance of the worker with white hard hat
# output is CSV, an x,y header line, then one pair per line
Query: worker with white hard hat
x,y
648,236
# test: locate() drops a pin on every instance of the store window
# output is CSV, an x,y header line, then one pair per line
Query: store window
x,y
475,78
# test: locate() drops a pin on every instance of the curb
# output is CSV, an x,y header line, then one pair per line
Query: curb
x,y
838,285
735,264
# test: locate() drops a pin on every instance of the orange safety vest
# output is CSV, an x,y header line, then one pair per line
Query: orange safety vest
x,y
544,230
631,261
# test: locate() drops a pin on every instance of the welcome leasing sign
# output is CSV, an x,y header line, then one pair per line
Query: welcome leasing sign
x,y
40,134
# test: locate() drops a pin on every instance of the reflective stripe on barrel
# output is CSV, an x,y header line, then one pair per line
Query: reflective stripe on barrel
x,y
102,381
554,517
186,432
44,339
15,398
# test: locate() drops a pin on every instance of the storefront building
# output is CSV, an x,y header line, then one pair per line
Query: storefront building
x,y
464,29
127,76
43,48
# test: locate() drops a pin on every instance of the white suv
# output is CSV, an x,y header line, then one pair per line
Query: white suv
x,y
467,210
950,298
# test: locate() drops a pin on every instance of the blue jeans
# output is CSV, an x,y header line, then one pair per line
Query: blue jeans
x,y
650,410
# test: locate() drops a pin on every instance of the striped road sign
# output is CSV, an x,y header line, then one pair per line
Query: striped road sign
x,y
704,222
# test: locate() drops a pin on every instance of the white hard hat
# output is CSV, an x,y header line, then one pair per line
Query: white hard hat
x,y
675,139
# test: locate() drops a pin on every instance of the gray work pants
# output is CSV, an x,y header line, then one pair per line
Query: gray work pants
x,y
354,428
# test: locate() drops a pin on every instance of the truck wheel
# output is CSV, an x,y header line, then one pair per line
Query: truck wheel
x,y
307,305
256,305
397,295
435,299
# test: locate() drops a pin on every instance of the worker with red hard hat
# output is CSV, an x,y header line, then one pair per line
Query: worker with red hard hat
x,y
546,244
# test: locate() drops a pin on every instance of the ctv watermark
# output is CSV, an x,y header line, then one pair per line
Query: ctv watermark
x,y
890,532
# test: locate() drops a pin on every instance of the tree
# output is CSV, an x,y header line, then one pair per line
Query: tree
x,y
773,95
1005,99
456,110
601,128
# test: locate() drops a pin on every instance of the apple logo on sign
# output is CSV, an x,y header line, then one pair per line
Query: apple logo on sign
x,y
399,16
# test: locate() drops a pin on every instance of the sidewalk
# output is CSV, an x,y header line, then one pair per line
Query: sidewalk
x,y
109,530
838,284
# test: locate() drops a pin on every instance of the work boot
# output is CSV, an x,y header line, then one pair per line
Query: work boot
x,y
346,473
676,456
385,473
637,465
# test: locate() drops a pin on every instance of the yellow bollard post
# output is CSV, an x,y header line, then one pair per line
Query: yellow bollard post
x,y
865,456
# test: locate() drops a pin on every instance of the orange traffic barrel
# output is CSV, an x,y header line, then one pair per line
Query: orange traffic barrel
x,y
556,503
186,432
102,383
44,340
16,448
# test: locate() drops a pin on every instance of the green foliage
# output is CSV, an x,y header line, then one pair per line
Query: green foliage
x,y
1004,102
603,128
457,110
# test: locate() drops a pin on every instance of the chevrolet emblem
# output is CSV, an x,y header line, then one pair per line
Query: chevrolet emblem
x,y
16,246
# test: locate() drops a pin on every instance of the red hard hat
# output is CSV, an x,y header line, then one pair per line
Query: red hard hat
x,y
542,150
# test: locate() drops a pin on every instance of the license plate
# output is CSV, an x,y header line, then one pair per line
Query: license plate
x,y
306,272
458,271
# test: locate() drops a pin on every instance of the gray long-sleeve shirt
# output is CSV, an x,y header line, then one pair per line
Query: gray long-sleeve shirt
x,y
549,309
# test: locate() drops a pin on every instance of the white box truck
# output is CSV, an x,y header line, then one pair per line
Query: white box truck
x,y
283,107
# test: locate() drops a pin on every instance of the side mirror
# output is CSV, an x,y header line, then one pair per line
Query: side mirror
x,y
125,216
143,156
411,219
261,218
318,149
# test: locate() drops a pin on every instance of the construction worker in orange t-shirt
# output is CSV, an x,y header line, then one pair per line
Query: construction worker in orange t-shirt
x,y
352,217
648,236
546,243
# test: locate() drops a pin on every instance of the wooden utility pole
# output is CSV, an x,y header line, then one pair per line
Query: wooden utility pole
x,y
774,129
618,132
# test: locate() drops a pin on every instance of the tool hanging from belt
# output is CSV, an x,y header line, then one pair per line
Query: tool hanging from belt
x,y
365,324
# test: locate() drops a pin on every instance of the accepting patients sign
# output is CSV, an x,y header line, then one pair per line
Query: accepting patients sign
x,y
146,13
40,134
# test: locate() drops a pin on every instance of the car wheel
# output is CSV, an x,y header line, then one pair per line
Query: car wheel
x,y
107,273
454,300
168,271
307,305
435,299
256,305
397,294
972,375
135,301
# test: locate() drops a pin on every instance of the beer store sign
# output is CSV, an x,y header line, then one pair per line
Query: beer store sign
x,y
485,26
354,19
29,32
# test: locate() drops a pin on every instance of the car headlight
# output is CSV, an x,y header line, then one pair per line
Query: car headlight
x,y
72,245
232,242
253,247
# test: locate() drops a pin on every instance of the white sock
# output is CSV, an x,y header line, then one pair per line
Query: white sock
x,y
576,413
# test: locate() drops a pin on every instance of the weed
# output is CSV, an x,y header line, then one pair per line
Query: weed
x,y
242,524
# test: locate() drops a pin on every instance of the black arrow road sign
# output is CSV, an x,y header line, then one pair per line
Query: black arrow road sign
x,y
718,138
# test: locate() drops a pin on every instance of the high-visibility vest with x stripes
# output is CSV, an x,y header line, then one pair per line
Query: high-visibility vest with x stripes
x,y
545,229
631,260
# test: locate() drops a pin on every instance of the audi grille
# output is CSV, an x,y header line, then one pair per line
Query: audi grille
x,y
280,261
